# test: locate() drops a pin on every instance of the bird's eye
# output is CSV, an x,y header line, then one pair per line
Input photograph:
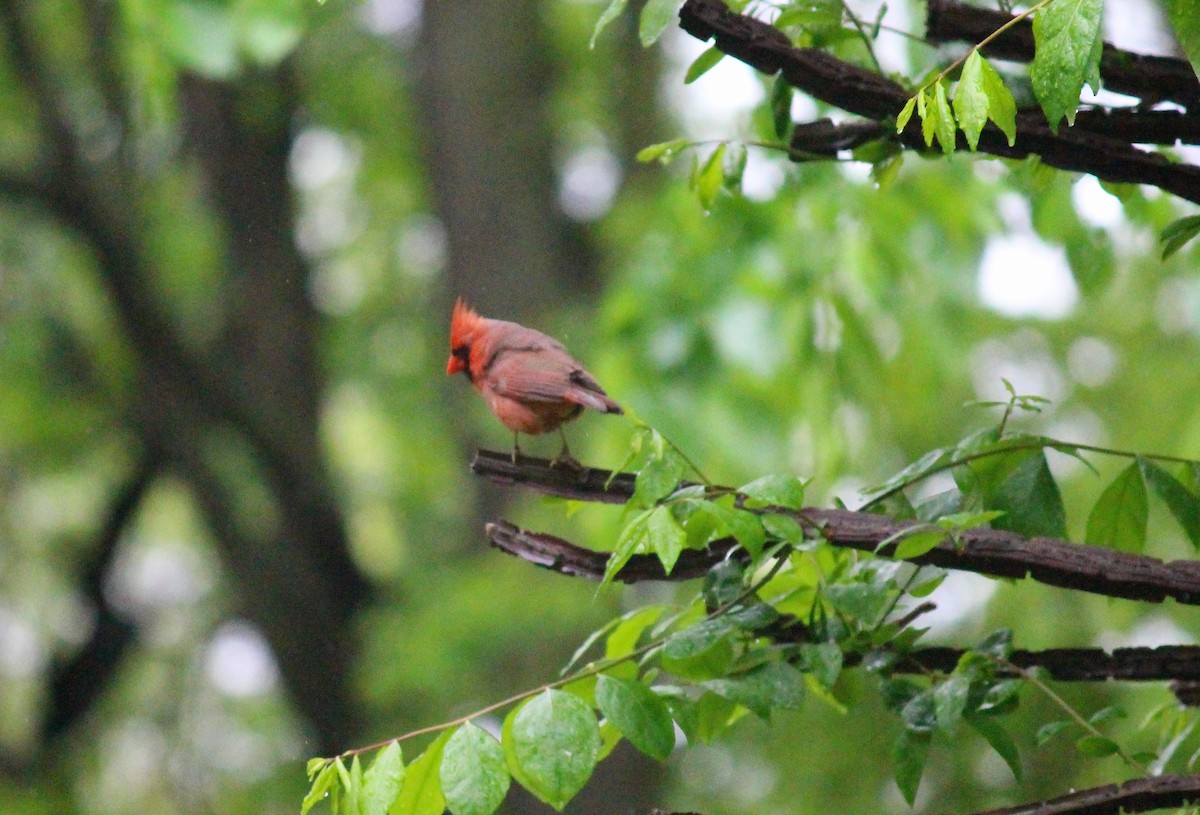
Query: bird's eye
x,y
463,352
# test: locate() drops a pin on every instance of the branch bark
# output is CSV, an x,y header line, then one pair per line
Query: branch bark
x,y
1150,78
1139,795
1168,662
986,551
864,93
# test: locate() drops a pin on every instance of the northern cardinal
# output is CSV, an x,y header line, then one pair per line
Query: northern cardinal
x,y
529,380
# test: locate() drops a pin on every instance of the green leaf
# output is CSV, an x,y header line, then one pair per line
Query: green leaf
x,y
1030,500
656,16
950,700
1067,41
753,615
723,583
906,113
555,744
1177,234
1183,504
701,64
1049,731
665,536
1107,714
785,491
657,480
961,521
971,101
663,151
352,784
710,179
769,686
697,638
1001,697
421,790
1118,520
823,661
862,601
638,713
1185,19
1000,740
944,126
704,719
781,106
996,644
909,754
474,773
1002,108
927,587
610,13
381,783
320,787
927,110
785,528
700,651
919,714
918,541
624,638
632,540
1097,746
743,525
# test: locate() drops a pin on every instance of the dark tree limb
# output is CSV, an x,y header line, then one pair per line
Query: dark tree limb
x,y
1170,662
76,683
1149,78
1139,795
864,93
986,551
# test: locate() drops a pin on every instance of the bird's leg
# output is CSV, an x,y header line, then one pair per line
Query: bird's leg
x,y
564,457
516,448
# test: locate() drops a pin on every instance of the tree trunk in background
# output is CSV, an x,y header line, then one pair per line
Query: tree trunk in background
x,y
484,87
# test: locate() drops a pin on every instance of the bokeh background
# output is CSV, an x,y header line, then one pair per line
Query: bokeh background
x,y
237,528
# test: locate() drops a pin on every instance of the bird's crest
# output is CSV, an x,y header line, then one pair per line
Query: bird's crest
x,y
464,324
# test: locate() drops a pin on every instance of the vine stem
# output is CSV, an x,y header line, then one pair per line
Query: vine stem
x,y
1065,706
593,670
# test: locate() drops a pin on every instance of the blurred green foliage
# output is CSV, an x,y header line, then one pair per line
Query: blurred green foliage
x,y
818,325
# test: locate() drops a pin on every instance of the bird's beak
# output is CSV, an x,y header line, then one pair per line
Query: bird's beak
x,y
455,365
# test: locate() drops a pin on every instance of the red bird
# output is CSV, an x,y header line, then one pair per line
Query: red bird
x,y
529,380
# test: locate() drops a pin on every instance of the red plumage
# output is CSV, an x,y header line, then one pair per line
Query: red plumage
x,y
527,378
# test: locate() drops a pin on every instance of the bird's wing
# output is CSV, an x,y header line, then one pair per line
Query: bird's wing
x,y
531,373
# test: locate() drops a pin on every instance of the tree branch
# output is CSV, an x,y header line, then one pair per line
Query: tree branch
x,y
864,93
1140,664
1150,78
77,683
1138,795
986,551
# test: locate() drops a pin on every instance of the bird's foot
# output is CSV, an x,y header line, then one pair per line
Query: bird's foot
x,y
567,462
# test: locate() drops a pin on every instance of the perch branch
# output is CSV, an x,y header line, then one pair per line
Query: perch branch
x,y
987,551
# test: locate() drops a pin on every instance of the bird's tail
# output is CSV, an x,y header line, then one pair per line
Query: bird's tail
x,y
596,400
